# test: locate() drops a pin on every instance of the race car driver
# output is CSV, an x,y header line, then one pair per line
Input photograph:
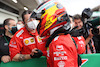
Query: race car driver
x,y
54,22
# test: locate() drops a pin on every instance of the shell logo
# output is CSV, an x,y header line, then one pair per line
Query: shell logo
x,y
26,41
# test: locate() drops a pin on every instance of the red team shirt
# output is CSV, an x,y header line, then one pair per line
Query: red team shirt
x,y
80,42
63,52
23,43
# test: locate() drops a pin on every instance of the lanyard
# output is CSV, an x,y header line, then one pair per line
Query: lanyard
x,y
6,40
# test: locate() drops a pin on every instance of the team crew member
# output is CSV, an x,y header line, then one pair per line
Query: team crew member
x,y
24,43
61,51
9,29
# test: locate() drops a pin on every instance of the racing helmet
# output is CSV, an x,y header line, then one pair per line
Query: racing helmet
x,y
51,14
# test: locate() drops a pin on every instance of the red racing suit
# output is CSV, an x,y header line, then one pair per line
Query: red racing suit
x,y
62,52
23,43
80,44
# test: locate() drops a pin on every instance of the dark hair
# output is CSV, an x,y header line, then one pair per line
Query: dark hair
x,y
6,22
77,16
20,21
70,16
24,13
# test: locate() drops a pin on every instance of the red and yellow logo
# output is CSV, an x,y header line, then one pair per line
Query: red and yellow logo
x,y
26,41
32,40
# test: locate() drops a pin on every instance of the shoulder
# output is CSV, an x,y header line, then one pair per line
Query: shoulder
x,y
64,40
19,32
79,38
1,38
62,37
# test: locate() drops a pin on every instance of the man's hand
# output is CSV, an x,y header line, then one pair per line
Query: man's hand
x,y
90,34
6,59
89,37
36,53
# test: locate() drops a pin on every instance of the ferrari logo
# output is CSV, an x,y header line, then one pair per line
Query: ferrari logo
x,y
39,39
32,40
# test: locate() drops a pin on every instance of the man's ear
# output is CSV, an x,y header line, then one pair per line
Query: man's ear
x,y
6,27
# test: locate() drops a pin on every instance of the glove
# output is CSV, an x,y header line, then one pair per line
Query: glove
x,y
37,55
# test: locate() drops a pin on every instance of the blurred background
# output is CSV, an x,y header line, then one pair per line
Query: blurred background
x,y
14,8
